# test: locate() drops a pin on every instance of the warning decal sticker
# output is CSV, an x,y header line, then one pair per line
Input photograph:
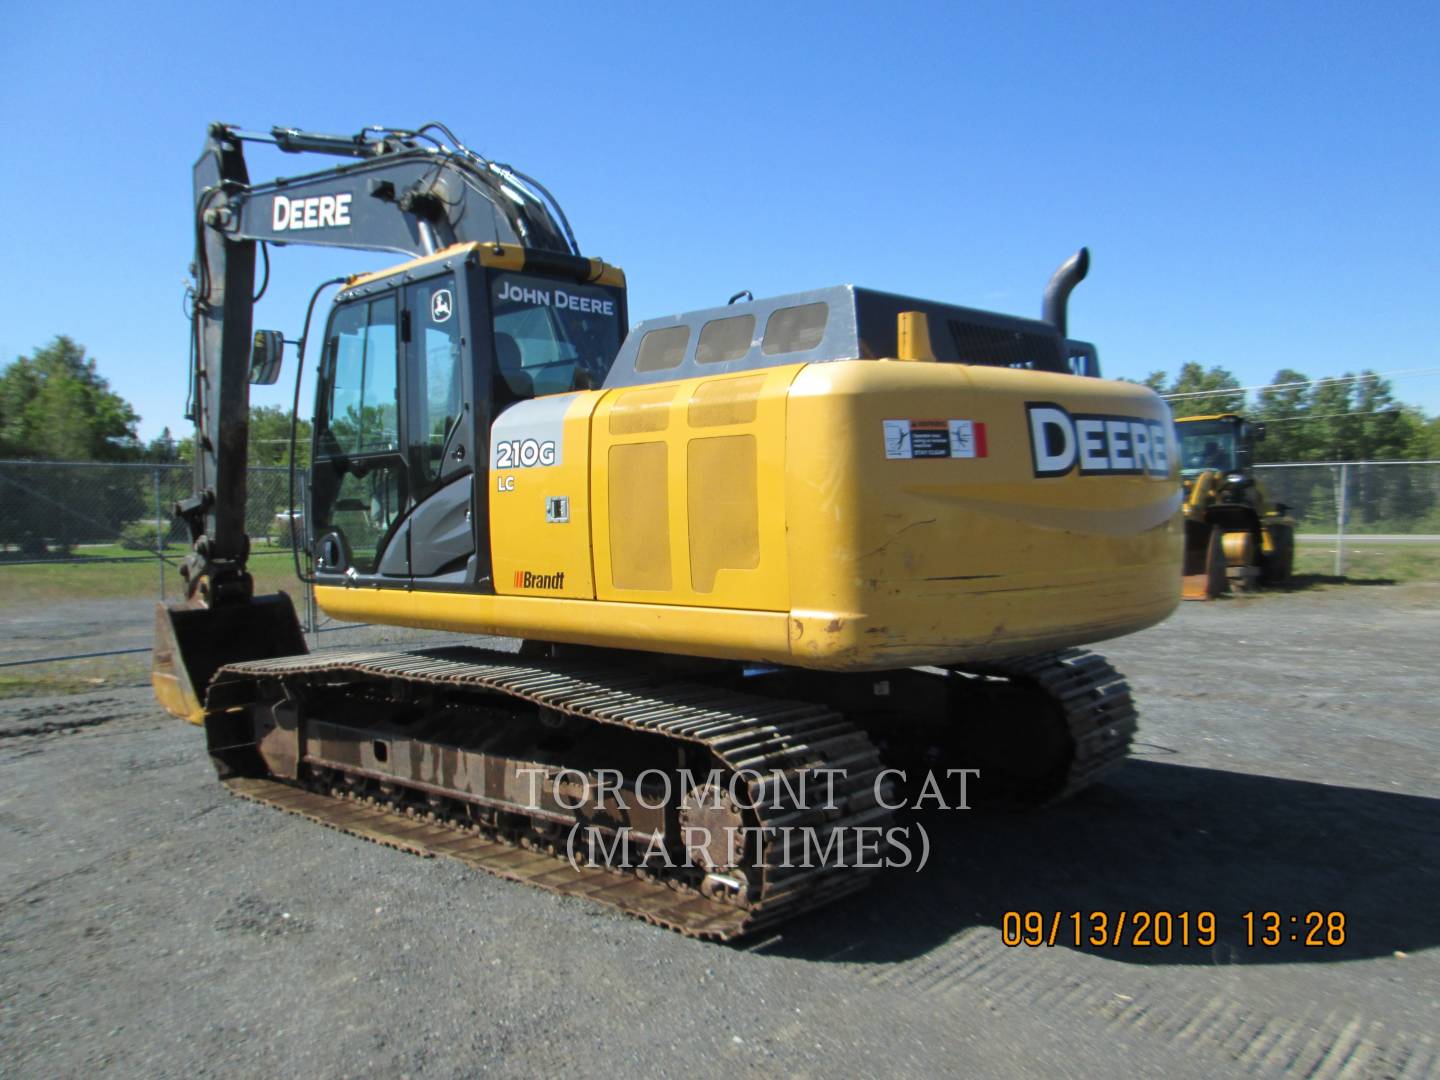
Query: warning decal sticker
x,y
908,439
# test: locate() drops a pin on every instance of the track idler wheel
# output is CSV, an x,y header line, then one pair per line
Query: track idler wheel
x,y
712,828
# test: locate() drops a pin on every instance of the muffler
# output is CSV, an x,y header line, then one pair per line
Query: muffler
x,y
1071,272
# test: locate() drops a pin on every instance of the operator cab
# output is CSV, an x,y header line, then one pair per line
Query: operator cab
x,y
417,363
1225,442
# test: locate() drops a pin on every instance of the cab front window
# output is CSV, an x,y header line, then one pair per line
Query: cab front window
x,y
551,336
1207,444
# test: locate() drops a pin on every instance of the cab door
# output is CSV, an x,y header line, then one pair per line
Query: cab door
x,y
440,533
359,481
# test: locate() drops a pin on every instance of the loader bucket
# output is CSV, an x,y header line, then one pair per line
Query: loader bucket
x,y
1204,575
192,643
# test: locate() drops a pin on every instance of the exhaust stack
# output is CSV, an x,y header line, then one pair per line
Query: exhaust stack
x,y
1057,293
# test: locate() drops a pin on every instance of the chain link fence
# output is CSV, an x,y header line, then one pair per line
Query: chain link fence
x,y
89,513
87,548
1353,509
72,514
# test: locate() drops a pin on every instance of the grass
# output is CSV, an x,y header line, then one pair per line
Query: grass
x,y
1370,562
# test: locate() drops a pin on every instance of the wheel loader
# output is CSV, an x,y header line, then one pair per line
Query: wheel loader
x,y
837,534
1234,536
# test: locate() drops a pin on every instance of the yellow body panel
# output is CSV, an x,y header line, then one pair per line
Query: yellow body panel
x,y
689,483
685,631
902,562
756,516
521,538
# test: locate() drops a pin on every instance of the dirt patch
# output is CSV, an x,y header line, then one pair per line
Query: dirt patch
x,y
262,918
25,716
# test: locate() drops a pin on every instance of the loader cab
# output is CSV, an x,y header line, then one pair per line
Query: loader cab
x,y
416,364
1225,442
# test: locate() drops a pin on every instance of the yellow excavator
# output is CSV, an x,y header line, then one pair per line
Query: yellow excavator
x,y
839,534
1234,536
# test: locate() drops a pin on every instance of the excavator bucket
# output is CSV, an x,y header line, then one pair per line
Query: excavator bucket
x,y
192,643
1205,575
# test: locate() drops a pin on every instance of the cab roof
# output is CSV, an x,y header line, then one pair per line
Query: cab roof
x,y
503,257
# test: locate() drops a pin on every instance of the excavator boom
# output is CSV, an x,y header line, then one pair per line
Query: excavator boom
x,y
410,192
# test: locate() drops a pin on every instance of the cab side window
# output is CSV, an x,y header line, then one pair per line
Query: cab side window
x,y
439,377
358,490
362,412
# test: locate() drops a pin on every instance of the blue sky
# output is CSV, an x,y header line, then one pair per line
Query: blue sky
x,y
1257,183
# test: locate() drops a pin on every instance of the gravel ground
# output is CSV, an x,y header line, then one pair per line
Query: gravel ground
x,y
151,925
74,627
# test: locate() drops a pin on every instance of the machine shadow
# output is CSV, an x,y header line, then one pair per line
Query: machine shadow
x,y
1160,837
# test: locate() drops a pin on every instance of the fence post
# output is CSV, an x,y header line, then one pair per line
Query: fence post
x,y
159,534
1340,523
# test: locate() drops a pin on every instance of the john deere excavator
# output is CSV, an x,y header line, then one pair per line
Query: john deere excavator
x,y
1233,535
840,532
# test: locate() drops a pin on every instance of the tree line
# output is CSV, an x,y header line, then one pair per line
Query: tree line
x,y
1350,417
55,406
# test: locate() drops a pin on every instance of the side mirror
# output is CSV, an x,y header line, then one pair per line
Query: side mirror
x,y
266,351
1259,432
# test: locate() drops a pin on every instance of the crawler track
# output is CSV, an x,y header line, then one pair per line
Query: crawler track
x,y
754,736
1094,703
761,739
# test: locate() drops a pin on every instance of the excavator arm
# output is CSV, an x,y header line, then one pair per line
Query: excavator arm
x,y
410,192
